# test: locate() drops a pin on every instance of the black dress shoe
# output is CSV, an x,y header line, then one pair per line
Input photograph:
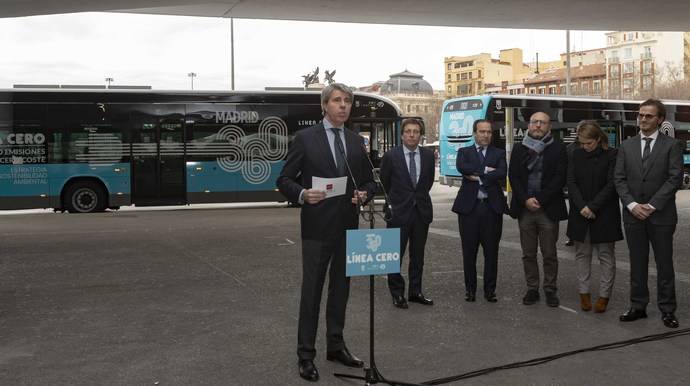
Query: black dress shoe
x,y
491,298
400,302
470,297
419,298
343,356
531,297
669,320
307,370
632,315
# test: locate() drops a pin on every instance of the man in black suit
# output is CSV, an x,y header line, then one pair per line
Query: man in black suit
x,y
649,170
326,150
537,175
407,174
480,205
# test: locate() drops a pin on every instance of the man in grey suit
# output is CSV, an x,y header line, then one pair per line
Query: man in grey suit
x,y
649,170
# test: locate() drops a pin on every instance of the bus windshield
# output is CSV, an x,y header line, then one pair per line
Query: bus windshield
x,y
457,118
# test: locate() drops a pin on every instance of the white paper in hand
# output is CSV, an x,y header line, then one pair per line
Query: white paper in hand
x,y
332,186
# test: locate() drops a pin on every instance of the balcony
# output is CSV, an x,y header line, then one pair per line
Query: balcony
x,y
614,59
646,56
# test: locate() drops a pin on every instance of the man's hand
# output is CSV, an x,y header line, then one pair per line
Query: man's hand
x,y
489,169
532,204
313,196
472,178
587,213
640,212
648,209
362,194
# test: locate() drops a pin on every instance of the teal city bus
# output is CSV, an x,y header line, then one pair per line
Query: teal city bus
x,y
86,151
618,118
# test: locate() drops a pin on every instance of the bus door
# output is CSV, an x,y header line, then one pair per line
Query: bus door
x,y
158,165
379,136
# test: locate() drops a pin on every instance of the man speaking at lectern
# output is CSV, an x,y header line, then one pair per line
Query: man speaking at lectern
x,y
326,150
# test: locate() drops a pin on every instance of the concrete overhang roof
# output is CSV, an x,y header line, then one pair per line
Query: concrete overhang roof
x,y
636,15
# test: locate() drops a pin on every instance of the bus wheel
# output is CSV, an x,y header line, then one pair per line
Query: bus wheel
x,y
84,197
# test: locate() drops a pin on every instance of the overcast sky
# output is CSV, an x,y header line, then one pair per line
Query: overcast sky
x,y
161,50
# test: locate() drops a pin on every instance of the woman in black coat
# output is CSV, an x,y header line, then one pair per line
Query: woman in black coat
x,y
594,222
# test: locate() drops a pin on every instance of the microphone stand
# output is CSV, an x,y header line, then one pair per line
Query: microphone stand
x,y
372,375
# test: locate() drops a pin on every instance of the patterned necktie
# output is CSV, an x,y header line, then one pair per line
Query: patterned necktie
x,y
647,150
339,150
413,169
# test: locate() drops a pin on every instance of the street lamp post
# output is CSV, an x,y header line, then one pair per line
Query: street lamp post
x,y
109,80
191,75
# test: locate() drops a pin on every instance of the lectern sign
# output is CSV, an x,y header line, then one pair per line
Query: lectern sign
x,y
372,252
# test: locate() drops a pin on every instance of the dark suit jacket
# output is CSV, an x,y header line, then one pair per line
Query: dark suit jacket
x,y
468,163
590,184
552,180
396,180
657,185
310,156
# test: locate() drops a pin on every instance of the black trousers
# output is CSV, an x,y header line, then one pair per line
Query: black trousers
x,y
415,233
482,227
316,256
639,236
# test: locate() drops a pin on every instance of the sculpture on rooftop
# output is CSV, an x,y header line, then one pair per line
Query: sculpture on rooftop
x,y
311,78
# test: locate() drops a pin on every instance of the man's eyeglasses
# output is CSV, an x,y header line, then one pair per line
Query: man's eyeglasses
x,y
646,116
538,122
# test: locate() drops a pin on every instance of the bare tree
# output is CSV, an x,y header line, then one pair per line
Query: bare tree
x,y
672,84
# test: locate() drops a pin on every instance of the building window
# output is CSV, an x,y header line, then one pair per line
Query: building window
x,y
450,66
584,88
614,56
479,73
469,74
408,108
450,89
627,53
449,77
457,76
647,52
533,90
647,82
573,89
542,90
552,90
628,68
463,76
562,90
614,71
627,84
596,87
630,36
646,68
456,65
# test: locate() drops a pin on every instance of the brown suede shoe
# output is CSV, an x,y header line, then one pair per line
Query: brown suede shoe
x,y
585,302
600,305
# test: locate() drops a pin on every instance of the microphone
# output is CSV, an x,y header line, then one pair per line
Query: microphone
x,y
339,145
377,178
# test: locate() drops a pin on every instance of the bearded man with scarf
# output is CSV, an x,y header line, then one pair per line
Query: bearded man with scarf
x,y
537,175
